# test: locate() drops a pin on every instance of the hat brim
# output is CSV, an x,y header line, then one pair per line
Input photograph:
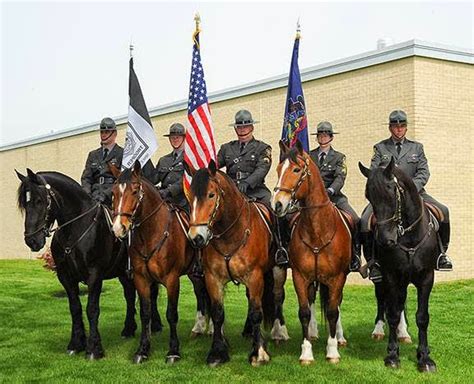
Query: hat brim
x,y
243,125
174,134
107,129
317,133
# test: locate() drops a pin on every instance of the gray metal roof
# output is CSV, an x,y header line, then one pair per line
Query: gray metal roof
x,y
390,53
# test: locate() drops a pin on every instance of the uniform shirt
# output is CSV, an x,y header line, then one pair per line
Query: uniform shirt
x,y
333,170
411,160
249,166
169,174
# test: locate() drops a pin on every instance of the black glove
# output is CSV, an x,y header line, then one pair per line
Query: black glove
x,y
165,193
243,186
330,191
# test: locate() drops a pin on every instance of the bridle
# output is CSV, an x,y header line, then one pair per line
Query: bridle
x,y
306,172
397,215
131,216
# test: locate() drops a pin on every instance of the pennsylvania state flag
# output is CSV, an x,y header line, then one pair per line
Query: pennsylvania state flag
x,y
295,124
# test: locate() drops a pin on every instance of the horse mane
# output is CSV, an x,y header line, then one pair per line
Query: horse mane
x,y
378,178
201,180
125,176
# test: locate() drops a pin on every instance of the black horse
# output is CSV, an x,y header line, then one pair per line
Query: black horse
x,y
83,249
407,246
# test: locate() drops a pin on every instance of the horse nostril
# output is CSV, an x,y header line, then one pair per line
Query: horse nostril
x,y
199,241
278,207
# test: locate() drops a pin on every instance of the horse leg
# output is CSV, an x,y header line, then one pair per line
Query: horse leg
x,y
258,354
304,314
393,293
402,330
313,332
279,331
219,350
144,291
378,332
129,293
78,334
247,331
341,340
156,325
425,363
202,299
172,288
334,297
94,348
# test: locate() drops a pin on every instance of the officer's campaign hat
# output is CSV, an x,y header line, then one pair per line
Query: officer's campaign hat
x,y
325,127
397,117
107,124
243,117
176,129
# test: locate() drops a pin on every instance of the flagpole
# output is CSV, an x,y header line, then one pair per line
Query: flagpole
x,y
298,29
131,49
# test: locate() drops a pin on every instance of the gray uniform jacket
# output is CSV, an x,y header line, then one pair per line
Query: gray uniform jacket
x,y
250,166
169,173
96,178
412,160
333,172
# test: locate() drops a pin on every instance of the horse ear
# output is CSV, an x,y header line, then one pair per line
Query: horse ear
x,y
20,176
365,171
189,170
389,169
299,147
113,169
137,168
32,176
283,147
212,167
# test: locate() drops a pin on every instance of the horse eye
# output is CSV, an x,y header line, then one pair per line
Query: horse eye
x,y
211,195
296,170
135,192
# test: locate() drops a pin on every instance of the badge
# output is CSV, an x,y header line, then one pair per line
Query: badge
x,y
267,155
385,157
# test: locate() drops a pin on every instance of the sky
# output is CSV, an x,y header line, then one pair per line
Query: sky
x,y
65,64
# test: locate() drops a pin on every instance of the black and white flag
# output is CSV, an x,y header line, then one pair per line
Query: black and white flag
x,y
140,141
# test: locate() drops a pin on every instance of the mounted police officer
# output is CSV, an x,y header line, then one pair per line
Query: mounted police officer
x,y
333,170
170,168
410,158
96,178
247,160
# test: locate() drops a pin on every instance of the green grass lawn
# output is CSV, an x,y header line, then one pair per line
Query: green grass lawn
x,y
35,329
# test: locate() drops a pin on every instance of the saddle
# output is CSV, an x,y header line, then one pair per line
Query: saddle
x,y
266,214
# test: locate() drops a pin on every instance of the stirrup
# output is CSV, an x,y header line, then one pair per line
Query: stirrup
x,y
281,257
376,278
446,267
355,264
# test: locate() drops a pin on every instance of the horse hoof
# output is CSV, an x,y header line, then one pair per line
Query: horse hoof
x,y
404,340
171,359
333,360
378,336
427,368
306,362
342,343
94,356
255,362
72,352
138,359
392,364
195,335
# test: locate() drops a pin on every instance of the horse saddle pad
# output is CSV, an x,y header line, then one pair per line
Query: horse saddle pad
x,y
348,219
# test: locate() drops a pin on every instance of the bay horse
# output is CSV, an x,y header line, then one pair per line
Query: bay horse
x,y
237,245
320,246
83,249
407,247
159,250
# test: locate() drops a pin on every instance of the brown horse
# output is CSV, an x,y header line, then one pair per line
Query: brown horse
x,y
237,246
159,249
320,246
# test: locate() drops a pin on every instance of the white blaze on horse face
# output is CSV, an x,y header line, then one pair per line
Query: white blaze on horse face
x,y
283,197
193,213
118,227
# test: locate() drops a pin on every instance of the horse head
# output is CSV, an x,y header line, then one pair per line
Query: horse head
x,y
37,200
293,172
384,192
206,200
127,195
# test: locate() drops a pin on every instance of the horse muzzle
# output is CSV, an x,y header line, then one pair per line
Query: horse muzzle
x,y
280,204
35,243
121,228
200,235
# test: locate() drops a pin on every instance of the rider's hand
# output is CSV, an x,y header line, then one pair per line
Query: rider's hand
x,y
330,191
243,186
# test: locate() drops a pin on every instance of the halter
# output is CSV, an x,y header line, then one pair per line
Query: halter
x,y
397,215
131,216
303,176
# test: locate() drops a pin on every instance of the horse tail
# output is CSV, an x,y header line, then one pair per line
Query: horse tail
x,y
324,301
268,300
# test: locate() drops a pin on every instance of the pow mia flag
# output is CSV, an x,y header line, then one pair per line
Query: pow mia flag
x,y
140,141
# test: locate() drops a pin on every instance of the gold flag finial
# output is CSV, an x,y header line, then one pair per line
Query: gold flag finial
x,y
298,29
197,19
132,47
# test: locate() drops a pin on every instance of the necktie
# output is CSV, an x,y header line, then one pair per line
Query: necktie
x,y
399,147
175,155
322,156
106,152
242,146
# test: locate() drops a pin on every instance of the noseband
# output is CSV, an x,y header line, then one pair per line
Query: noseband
x,y
131,216
303,176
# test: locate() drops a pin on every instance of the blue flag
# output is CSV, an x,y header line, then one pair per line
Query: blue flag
x,y
295,124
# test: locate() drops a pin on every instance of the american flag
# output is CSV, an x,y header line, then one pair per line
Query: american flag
x,y
199,146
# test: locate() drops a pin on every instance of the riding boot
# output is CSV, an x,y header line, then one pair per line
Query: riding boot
x,y
282,240
356,248
444,263
375,273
